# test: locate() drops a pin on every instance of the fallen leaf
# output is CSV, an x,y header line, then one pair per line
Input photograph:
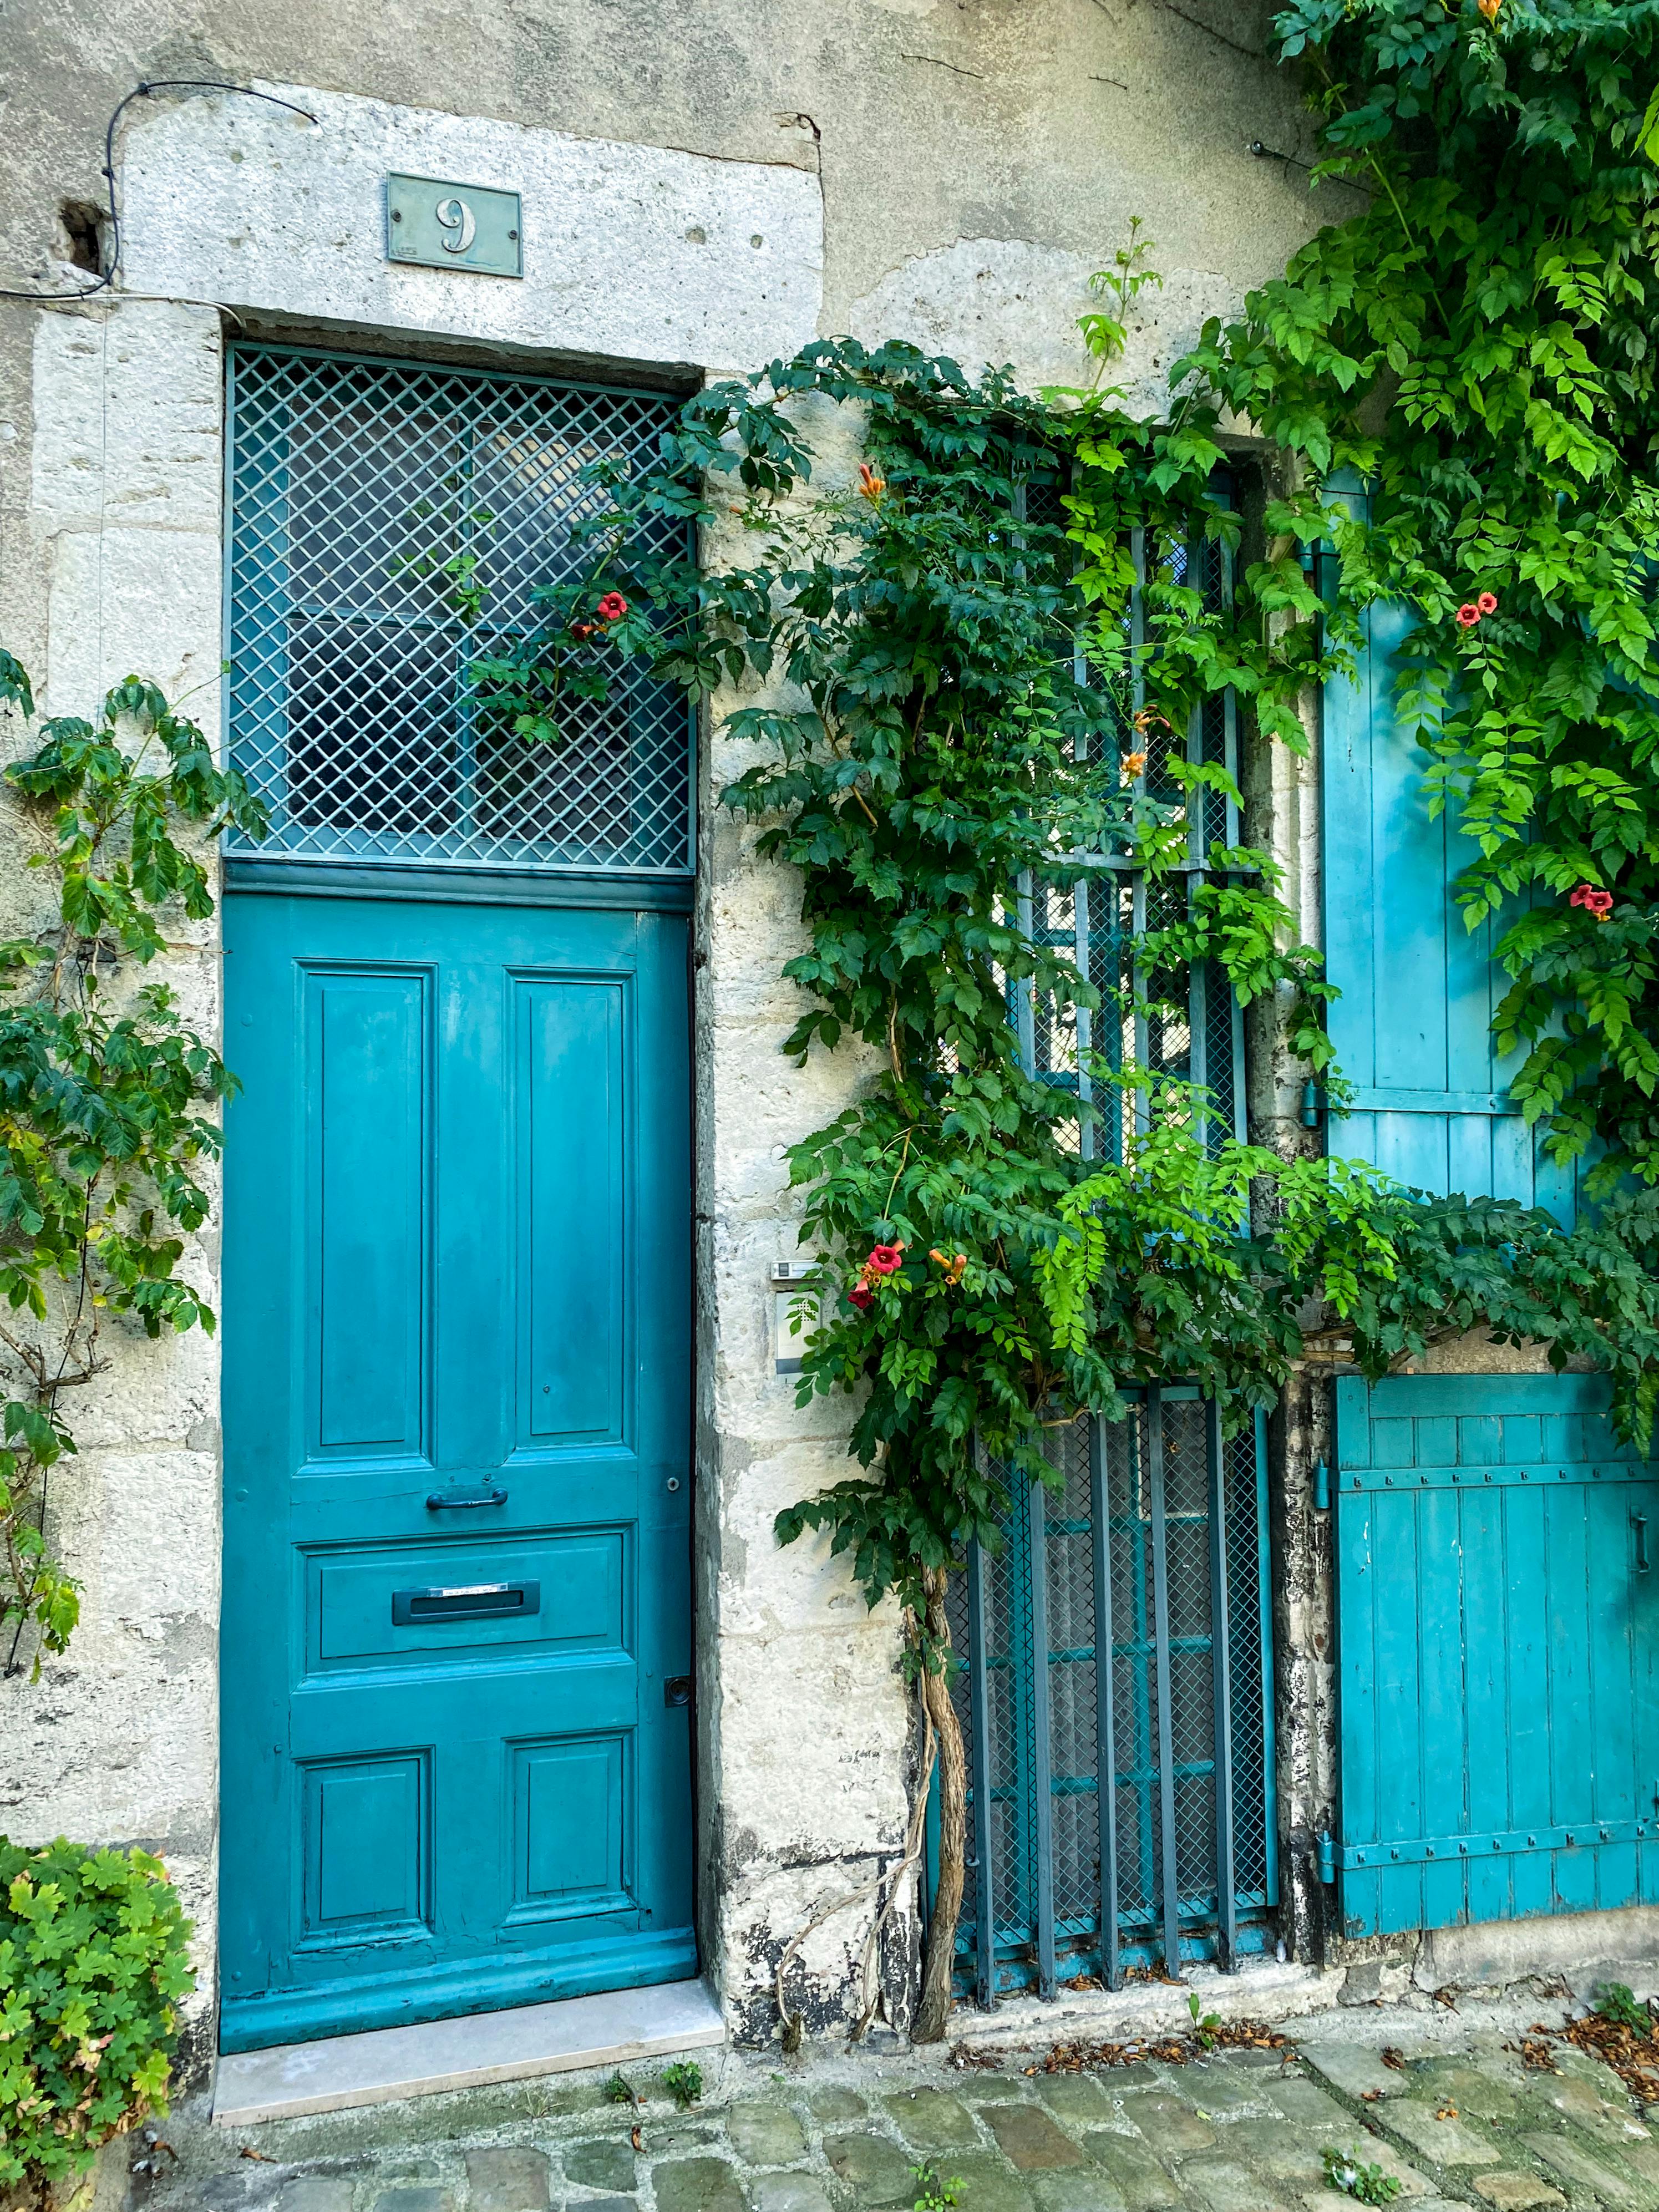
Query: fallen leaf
x,y
1446,2112
637,2141
1371,2096
264,2156
1390,2057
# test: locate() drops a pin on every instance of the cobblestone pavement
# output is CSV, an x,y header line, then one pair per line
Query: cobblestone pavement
x,y
1469,2123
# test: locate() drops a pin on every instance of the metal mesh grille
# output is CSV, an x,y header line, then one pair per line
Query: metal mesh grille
x,y
1192,1678
1013,1800
1072,1662
1069,1548
1249,1633
391,525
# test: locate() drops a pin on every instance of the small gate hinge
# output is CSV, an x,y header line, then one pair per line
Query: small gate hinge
x,y
1327,1856
1321,1487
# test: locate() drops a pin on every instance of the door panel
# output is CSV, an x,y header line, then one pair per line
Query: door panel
x,y
457,1394
1497,1620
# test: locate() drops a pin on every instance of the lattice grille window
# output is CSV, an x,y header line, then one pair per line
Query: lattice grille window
x,y
391,524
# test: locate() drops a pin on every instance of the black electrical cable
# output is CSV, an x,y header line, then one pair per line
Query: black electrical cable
x,y
142,91
1272,154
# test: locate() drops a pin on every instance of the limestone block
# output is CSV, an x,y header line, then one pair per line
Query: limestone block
x,y
755,1400
813,1729
986,300
630,253
1376,1981
135,602
112,1747
154,1391
767,1587
754,927
1499,1952
129,418
158,1539
765,1911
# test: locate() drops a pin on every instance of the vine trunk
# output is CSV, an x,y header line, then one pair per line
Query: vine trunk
x,y
935,2005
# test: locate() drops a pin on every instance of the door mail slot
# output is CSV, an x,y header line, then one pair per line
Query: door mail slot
x,y
465,1602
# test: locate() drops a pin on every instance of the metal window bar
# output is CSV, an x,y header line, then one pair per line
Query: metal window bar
x,y
1120,1629
391,523
1099,907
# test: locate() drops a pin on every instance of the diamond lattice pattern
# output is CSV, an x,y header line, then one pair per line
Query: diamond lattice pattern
x,y
391,526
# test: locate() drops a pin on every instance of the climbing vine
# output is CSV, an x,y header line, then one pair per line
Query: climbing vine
x,y
1474,357
976,639
105,1096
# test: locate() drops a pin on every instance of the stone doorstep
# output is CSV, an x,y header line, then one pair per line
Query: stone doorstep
x,y
1262,1989
341,2072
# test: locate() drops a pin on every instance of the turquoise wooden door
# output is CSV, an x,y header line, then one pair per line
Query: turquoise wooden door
x,y
456,1735
1498,1597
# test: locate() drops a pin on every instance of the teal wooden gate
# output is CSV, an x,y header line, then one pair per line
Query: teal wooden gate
x,y
456,1662
1499,1647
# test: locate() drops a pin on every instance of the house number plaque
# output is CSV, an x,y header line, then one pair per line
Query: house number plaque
x,y
434,223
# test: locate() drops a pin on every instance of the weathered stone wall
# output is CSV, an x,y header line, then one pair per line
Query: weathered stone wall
x,y
121,539
704,189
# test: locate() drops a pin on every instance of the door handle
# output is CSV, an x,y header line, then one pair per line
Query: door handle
x,y
1639,1522
465,1602
463,1501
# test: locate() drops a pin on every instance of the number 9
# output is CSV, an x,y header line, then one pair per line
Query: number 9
x,y
457,221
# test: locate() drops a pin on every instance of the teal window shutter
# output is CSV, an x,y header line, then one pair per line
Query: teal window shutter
x,y
1412,1027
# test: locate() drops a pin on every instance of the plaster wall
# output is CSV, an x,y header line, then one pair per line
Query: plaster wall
x,y
944,170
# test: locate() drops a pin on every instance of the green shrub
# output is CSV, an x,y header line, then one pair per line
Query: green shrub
x,y
1619,2002
683,2081
92,1962
1347,2171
